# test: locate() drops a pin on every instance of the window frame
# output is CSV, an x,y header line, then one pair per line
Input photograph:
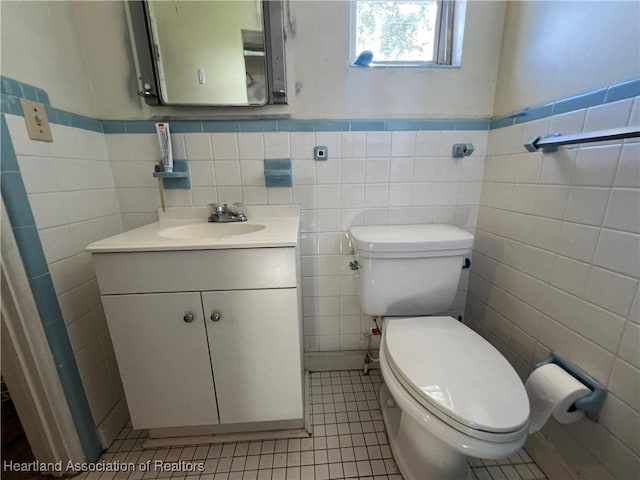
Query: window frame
x,y
443,50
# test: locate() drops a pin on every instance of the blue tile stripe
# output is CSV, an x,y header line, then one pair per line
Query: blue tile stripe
x,y
11,91
24,230
592,98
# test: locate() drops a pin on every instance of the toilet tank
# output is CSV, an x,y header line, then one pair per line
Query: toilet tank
x,y
406,270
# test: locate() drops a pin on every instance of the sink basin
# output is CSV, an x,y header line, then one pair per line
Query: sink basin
x,y
209,230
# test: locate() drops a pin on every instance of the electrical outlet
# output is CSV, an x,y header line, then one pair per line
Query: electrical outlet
x,y
320,153
35,117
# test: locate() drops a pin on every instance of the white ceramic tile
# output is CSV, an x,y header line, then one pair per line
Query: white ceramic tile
x,y
328,172
331,140
229,194
178,198
352,196
302,144
449,168
403,144
570,275
567,123
328,196
252,172
22,144
446,193
528,167
254,195
304,172
250,146
586,205
49,209
39,174
198,146
422,194
427,143
279,196
201,174
401,169
328,220
596,165
600,326
57,243
308,218
202,196
376,195
400,194
623,211
558,167
227,172
276,145
628,350
378,144
610,290
376,170
472,168
609,115
578,241
353,144
352,170
617,458
628,174
305,196
551,201
619,251
425,169
622,421
225,146
524,198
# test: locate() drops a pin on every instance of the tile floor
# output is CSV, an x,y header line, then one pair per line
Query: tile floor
x,y
349,441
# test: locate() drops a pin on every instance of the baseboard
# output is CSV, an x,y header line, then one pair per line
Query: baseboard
x,y
113,423
548,459
347,360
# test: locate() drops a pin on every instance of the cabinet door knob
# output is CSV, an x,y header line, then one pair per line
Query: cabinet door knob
x,y
216,316
188,317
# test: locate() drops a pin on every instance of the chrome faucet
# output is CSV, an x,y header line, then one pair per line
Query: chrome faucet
x,y
223,213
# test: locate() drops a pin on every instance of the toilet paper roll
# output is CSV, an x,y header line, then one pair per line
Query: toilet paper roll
x,y
552,391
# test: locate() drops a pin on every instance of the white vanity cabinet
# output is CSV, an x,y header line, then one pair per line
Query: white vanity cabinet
x,y
162,352
225,350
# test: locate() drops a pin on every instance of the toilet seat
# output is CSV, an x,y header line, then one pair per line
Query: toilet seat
x,y
454,373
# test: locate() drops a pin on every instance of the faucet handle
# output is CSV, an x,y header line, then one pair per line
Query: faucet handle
x,y
217,207
237,208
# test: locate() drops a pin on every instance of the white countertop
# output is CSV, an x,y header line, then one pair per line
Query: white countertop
x,y
281,230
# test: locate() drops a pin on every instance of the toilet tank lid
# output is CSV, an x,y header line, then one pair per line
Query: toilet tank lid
x,y
410,238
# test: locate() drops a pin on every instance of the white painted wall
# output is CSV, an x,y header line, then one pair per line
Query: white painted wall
x,y
553,49
321,82
40,46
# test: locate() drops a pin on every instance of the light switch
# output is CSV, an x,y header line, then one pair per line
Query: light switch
x,y
35,117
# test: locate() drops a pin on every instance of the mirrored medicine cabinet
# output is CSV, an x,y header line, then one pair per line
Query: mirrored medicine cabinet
x,y
210,53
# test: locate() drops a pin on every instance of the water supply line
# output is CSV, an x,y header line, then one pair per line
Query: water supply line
x,y
371,356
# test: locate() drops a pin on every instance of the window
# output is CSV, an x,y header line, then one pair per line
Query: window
x,y
402,32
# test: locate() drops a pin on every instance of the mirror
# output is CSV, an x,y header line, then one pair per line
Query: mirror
x,y
218,52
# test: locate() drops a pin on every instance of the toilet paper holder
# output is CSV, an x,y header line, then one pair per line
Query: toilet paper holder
x,y
590,404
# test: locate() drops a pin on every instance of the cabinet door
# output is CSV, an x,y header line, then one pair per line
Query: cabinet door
x,y
163,358
255,354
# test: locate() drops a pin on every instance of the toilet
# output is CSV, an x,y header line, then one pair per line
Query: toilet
x,y
447,394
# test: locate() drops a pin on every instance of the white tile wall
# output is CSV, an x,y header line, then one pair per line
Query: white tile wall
x,y
369,178
556,266
71,191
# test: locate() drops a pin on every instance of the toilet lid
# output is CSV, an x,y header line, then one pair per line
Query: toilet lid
x,y
446,365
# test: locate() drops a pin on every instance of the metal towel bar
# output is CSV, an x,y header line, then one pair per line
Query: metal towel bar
x,y
550,143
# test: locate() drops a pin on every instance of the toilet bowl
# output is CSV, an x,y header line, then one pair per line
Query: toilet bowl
x,y
448,393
